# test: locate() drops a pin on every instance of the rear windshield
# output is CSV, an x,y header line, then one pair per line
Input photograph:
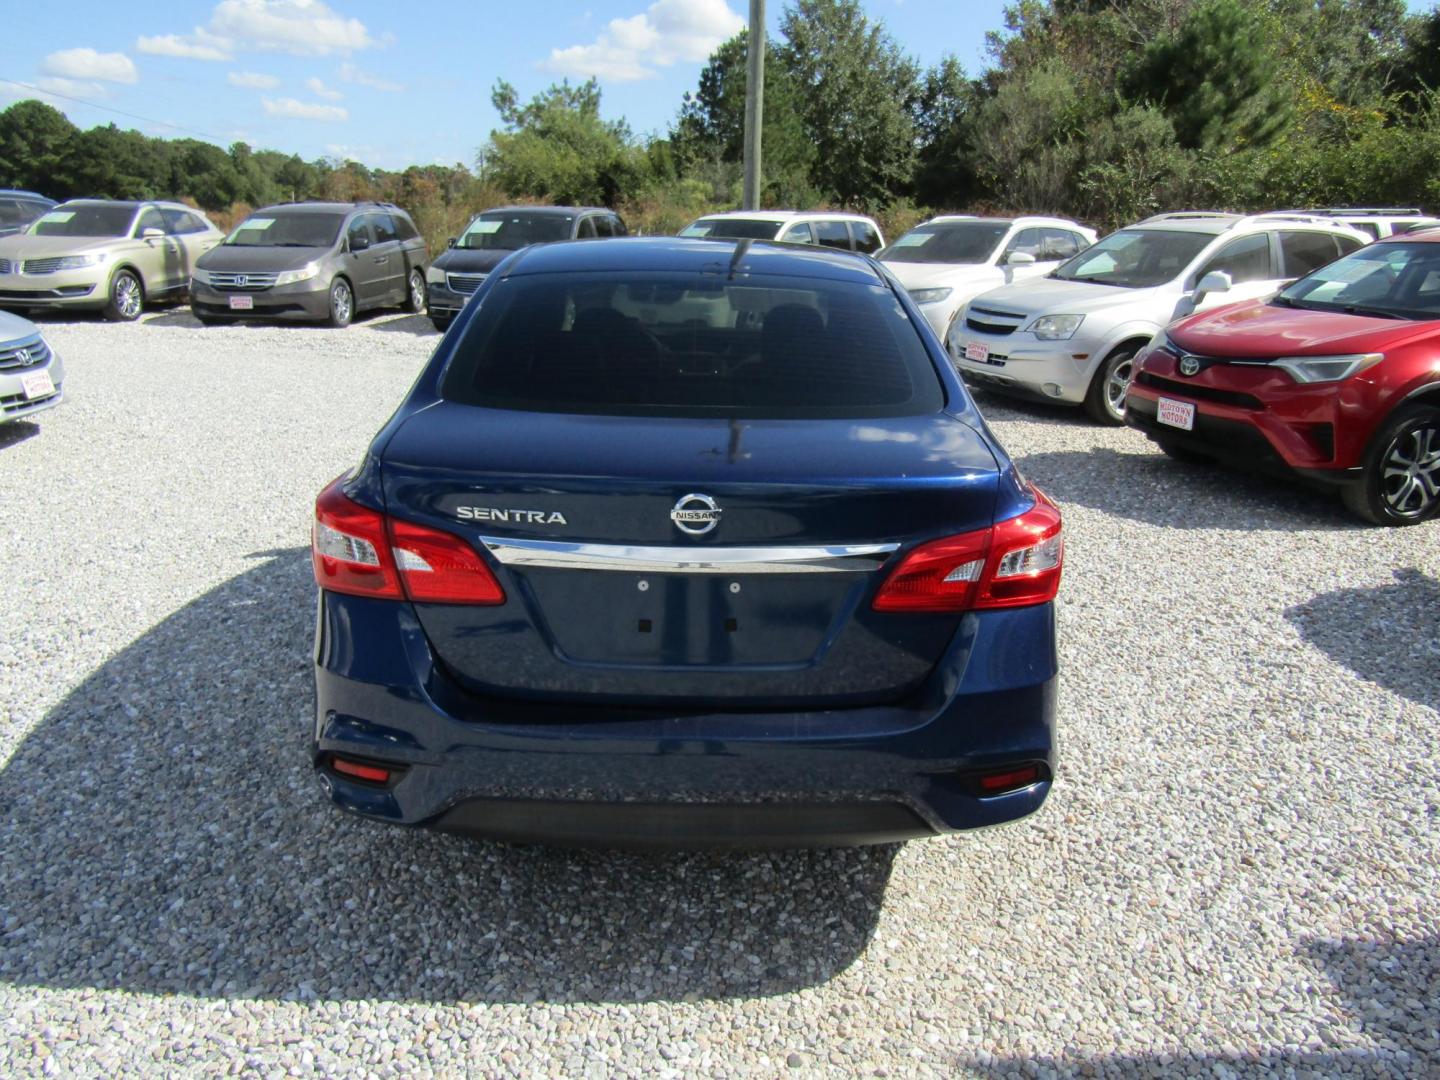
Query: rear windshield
x,y
1397,280
666,344
288,229
961,242
734,228
510,230
85,221
1135,260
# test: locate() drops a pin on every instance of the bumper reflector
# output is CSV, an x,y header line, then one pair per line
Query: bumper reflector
x,y
994,783
373,774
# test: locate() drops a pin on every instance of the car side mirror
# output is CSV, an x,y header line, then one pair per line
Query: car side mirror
x,y
450,242
151,233
1213,282
358,244
1019,258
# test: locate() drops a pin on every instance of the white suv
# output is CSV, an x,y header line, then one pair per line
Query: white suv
x,y
1071,337
948,260
846,232
1375,221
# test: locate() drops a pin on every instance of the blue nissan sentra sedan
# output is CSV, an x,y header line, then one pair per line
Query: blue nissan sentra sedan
x,y
687,542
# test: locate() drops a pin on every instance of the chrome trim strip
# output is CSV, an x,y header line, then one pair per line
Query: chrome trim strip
x,y
830,558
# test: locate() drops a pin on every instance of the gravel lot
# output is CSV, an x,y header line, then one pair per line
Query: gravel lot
x,y
1238,871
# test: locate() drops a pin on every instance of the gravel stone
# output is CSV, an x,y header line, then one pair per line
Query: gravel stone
x,y
1236,875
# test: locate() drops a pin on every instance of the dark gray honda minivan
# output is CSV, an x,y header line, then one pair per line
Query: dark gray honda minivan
x,y
320,261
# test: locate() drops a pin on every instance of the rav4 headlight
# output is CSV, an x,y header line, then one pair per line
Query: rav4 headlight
x,y
929,296
77,262
1313,369
291,277
1055,327
435,276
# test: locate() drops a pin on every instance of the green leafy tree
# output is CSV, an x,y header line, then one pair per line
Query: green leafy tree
x,y
711,127
36,142
1216,78
945,111
557,147
856,90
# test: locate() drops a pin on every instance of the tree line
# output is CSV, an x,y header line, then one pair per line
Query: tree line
x,y
1103,110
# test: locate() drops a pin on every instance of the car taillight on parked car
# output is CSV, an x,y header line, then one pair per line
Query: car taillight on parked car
x,y
363,552
1014,563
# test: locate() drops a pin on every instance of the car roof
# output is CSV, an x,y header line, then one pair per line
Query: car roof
x,y
1019,219
554,211
1429,235
694,255
779,216
1215,223
134,204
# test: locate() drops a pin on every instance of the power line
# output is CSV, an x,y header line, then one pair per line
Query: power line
x,y
108,108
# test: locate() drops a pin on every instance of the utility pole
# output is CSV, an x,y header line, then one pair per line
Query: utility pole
x,y
754,103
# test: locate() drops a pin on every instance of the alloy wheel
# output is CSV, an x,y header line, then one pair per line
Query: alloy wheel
x,y
127,296
1117,384
340,302
1410,481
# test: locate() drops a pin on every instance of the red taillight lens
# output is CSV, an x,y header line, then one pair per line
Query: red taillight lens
x,y
360,551
1014,563
348,548
437,567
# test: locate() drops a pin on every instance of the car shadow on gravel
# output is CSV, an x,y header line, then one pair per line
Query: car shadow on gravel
x,y
420,325
1389,991
15,432
1386,634
164,834
1152,489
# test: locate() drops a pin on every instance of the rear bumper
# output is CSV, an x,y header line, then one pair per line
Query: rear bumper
x,y
618,777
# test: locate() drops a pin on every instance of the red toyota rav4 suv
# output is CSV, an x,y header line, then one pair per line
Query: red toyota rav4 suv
x,y
1336,379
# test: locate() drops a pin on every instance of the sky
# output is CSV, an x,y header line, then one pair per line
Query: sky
x,y
392,84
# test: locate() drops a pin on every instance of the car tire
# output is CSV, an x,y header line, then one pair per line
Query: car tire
x,y
1176,452
1400,474
416,293
342,304
441,324
125,299
1105,400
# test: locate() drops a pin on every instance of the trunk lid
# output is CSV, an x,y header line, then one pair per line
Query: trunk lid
x,y
609,597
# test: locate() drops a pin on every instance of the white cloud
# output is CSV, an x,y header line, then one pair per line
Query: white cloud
x,y
352,74
303,110
319,89
202,45
75,88
300,27
252,80
91,65
667,32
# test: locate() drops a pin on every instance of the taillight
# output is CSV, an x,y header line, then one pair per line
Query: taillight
x,y
439,567
1014,563
362,552
348,548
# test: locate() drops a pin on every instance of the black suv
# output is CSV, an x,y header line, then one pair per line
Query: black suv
x,y
321,261
490,236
